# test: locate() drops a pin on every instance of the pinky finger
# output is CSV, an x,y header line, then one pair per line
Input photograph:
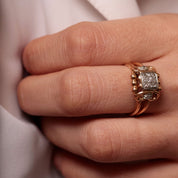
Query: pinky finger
x,y
72,166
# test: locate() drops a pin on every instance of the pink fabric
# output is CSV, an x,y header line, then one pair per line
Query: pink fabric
x,y
24,152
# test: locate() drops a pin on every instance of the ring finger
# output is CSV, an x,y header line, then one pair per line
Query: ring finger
x,y
83,91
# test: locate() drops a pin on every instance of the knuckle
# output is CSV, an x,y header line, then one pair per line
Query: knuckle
x,y
97,143
29,54
82,41
34,51
75,92
50,129
63,167
21,93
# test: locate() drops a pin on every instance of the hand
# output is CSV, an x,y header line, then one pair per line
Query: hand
x,y
80,72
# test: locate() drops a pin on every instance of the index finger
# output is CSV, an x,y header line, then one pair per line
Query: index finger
x,y
101,43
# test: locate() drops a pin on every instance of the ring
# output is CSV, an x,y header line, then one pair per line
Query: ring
x,y
145,86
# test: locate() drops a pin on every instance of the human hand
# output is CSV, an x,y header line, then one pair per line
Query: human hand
x,y
80,72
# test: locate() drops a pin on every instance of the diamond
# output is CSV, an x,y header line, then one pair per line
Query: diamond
x,y
148,96
149,80
143,68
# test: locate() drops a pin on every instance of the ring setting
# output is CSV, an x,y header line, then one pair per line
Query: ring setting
x,y
145,86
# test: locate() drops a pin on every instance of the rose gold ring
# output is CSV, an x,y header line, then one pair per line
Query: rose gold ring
x,y
145,86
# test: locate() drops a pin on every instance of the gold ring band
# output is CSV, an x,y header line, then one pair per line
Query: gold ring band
x,y
145,86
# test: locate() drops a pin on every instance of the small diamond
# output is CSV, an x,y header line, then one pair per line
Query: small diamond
x,y
143,68
148,96
149,80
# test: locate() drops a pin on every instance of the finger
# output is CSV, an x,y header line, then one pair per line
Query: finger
x,y
114,139
102,43
79,91
84,91
73,166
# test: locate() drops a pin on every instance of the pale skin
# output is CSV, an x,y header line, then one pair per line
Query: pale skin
x,y
81,72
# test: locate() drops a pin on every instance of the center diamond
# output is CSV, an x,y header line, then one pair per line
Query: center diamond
x,y
149,80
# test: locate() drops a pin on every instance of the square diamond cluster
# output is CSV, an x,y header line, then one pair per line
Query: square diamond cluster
x,y
149,80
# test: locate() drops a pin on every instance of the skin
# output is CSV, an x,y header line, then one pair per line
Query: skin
x,y
81,88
